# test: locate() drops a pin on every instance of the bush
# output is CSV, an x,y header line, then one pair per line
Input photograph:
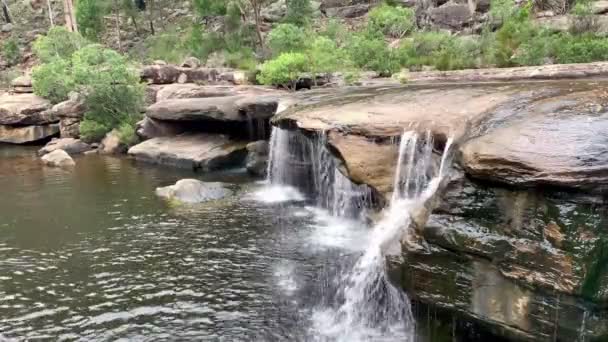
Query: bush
x,y
335,31
420,49
58,43
284,70
299,12
580,49
515,31
459,53
286,38
372,53
127,135
392,21
89,15
92,131
326,57
583,20
11,51
168,47
53,80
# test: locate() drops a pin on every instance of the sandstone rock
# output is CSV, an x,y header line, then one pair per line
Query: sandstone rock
x,y
22,81
191,62
353,11
58,158
167,74
7,27
558,141
159,62
451,16
191,90
275,11
183,78
111,144
69,145
27,134
69,128
257,158
600,7
204,152
193,191
74,107
228,108
25,109
149,128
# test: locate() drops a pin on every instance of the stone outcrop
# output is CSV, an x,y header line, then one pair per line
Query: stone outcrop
x,y
205,152
192,191
227,108
167,74
27,134
257,158
69,145
58,158
22,85
70,114
25,109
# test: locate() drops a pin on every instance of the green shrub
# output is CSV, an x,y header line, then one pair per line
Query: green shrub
x,y
89,15
284,70
127,135
420,50
11,51
299,12
286,38
7,75
583,20
515,31
392,21
580,49
335,31
372,53
58,43
459,53
502,10
53,80
207,8
537,50
325,57
169,48
92,131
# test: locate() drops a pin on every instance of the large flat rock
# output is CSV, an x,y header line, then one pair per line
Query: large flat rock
x,y
27,134
227,108
559,141
206,152
25,109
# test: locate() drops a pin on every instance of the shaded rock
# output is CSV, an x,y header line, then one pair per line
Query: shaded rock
x,y
69,145
167,74
149,128
25,109
111,144
275,11
558,141
353,11
257,158
74,107
58,158
191,62
451,15
193,191
69,128
27,134
191,90
204,152
228,108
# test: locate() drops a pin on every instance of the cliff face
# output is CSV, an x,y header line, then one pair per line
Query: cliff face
x,y
516,242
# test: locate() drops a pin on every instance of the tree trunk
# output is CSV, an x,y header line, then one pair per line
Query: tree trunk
x,y
117,13
256,4
48,3
70,15
151,16
6,12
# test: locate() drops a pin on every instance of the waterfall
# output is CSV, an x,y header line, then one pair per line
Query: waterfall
x,y
365,305
304,163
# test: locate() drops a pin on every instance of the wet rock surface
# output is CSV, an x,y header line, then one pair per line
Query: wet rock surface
x,y
27,134
205,152
192,191
257,158
69,145
58,158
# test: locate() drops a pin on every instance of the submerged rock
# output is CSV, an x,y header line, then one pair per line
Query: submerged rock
x,y
70,145
58,158
204,152
193,191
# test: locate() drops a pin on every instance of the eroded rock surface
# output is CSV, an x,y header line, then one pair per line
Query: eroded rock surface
x,y
204,152
27,134
25,109
69,145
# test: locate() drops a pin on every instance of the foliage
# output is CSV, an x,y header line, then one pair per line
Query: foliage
x,y
458,53
392,21
325,57
335,31
580,49
284,70
53,80
583,19
372,53
206,8
299,12
419,50
502,10
11,51
127,135
89,15
286,38
7,75
92,131
516,30
169,47
537,50
58,43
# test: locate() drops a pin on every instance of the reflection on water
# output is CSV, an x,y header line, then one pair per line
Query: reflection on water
x,y
91,254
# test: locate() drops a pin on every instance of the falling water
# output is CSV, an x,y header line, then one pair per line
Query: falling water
x,y
365,306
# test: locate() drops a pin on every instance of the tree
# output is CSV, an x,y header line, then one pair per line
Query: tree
x,y
48,4
6,12
284,70
89,14
299,12
256,8
70,16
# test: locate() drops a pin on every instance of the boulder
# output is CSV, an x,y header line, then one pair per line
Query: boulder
x,y
227,108
257,158
452,16
191,62
149,128
193,191
111,144
167,74
70,145
25,109
353,11
191,90
558,141
69,128
22,85
58,158
205,152
6,28
74,107
27,134
275,11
